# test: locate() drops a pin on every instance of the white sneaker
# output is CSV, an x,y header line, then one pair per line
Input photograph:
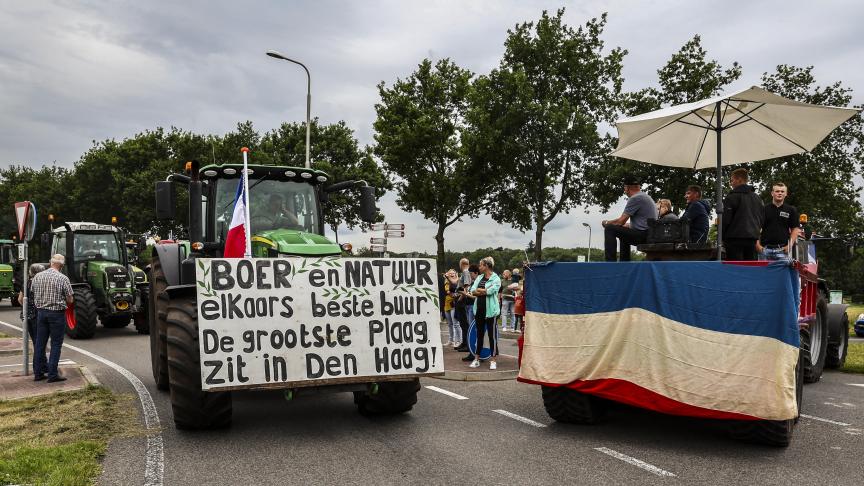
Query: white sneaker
x,y
474,364
493,365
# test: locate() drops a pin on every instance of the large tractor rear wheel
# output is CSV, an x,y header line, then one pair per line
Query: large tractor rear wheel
x,y
835,357
156,316
571,406
140,317
814,342
116,321
193,408
776,433
81,319
390,398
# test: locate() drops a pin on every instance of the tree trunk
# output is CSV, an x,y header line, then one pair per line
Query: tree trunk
x,y
538,240
439,239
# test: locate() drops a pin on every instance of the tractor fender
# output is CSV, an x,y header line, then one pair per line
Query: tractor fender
x,y
835,322
170,256
175,291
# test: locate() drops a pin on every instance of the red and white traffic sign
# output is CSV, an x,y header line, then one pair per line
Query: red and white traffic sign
x,y
25,214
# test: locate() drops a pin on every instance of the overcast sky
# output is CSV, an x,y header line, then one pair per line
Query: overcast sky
x,y
73,71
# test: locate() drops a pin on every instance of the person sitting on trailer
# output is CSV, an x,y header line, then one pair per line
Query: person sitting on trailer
x,y
696,212
639,209
664,211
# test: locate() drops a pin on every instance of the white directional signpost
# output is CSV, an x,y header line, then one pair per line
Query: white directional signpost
x,y
25,214
378,244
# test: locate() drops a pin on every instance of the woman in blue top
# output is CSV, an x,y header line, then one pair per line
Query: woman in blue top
x,y
486,309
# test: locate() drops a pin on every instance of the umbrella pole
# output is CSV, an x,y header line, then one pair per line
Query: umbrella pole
x,y
719,185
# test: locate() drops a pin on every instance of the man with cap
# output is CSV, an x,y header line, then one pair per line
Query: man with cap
x,y
639,209
52,292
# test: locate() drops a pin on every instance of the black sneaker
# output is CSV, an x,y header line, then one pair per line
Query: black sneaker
x,y
56,379
462,349
470,357
39,378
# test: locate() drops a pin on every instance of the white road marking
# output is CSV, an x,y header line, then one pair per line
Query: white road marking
x,y
852,431
447,392
154,462
635,462
519,418
827,421
61,362
855,384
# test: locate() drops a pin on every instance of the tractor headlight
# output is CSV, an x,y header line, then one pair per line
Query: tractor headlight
x,y
112,285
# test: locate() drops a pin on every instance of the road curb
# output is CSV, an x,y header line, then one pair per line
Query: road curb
x,y
478,375
89,377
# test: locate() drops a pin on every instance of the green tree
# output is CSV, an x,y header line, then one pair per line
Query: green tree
x,y
688,76
46,187
534,119
334,150
417,134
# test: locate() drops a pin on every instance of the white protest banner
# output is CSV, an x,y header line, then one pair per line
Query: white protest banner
x,y
272,322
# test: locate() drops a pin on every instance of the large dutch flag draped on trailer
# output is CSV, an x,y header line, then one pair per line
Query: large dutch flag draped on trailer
x,y
235,240
701,339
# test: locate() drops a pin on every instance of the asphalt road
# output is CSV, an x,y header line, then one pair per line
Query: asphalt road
x,y
445,440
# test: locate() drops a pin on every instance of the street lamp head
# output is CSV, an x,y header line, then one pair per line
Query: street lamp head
x,y
277,55
586,225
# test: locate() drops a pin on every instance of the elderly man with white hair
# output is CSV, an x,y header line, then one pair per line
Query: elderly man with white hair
x,y
52,292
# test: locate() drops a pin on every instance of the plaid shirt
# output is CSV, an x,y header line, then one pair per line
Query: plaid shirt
x,y
50,289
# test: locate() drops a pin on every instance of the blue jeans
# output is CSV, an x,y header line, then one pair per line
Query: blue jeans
x,y
773,254
49,324
453,326
508,320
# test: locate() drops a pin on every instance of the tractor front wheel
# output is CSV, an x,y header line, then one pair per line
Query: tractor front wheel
x,y
814,342
140,316
81,320
836,354
193,408
157,312
571,406
388,398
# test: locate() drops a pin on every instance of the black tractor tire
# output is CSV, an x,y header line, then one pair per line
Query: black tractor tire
x,y
84,312
140,318
777,433
116,322
835,357
570,406
156,316
193,408
392,397
814,342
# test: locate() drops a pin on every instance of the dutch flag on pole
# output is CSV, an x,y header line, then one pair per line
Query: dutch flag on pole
x,y
237,242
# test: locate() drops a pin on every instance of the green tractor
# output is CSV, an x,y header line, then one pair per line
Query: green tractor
x,y
135,247
102,279
287,220
9,276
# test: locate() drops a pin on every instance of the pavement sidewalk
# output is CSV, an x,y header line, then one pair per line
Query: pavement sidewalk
x,y
458,370
15,385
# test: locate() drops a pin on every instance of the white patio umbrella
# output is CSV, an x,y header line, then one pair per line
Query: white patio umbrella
x,y
745,126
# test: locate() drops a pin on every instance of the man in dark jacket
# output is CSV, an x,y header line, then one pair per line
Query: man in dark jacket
x,y
743,214
696,212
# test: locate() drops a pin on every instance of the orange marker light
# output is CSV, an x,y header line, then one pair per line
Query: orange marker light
x,y
188,167
51,217
244,149
113,219
802,219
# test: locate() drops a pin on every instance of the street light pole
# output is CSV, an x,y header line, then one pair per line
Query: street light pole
x,y
277,55
589,240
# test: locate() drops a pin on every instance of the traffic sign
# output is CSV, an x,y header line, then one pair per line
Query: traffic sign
x,y
25,213
378,241
387,227
394,234
378,248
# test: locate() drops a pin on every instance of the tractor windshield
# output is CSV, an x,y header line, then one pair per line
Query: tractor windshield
x,y
273,204
7,254
97,246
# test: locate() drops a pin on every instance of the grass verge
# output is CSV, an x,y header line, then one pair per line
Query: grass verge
x,y
4,335
855,359
60,438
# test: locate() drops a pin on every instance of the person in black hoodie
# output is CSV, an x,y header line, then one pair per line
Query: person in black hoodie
x,y
696,212
743,214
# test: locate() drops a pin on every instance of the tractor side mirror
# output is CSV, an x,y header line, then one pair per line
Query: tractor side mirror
x,y
166,200
368,211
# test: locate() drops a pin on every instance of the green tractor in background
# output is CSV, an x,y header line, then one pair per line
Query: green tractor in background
x,y
9,275
103,281
136,246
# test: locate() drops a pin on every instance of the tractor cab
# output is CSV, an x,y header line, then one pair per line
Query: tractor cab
x,y
98,268
9,278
